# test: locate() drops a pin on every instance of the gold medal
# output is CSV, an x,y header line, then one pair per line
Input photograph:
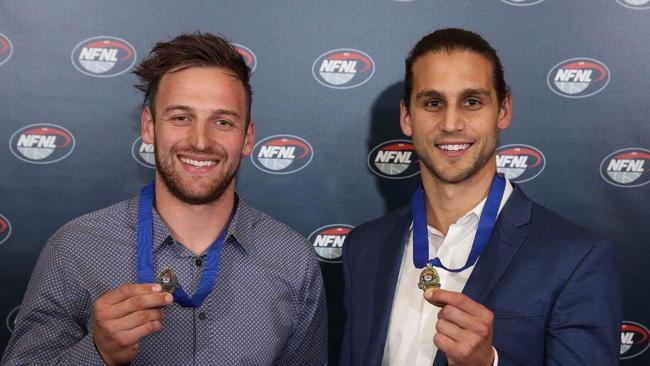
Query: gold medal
x,y
167,280
429,278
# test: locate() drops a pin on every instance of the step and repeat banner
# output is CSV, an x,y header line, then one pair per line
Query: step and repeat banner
x,y
329,153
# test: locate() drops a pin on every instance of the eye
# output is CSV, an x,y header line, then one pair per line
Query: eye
x,y
181,119
433,104
223,123
473,103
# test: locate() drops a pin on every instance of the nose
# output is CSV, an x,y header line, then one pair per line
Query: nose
x,y
453,120
199,135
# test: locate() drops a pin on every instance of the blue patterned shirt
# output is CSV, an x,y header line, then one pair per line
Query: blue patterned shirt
x,y
267,306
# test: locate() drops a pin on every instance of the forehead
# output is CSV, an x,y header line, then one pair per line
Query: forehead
x,y
455,70
201,85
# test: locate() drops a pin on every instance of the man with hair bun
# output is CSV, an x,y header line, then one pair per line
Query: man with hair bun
x,y
473,272
186,272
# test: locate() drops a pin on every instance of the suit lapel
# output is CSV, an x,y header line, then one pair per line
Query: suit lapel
x,y
390,252
507,237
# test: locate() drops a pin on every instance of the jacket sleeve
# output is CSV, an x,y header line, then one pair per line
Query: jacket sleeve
x,y
51,324
585,324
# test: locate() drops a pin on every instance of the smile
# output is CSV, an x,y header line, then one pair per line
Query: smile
x,y
198,163
453,147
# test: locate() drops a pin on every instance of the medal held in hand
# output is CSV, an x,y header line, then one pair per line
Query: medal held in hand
x,y
429,278
167,280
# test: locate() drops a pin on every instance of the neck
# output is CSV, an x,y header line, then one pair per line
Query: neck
x,y
195,226
447,202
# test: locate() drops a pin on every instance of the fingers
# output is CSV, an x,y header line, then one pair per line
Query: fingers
x,y
131,337
132,298
479,325
129,290
141,317
440,297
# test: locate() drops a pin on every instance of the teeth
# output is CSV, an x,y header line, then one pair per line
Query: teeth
x,y
198,163
454,147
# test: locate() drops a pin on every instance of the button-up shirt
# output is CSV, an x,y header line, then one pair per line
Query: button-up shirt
x,y
413,320
267,306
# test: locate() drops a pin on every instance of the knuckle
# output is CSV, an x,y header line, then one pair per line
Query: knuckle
x,y
483,330
122,341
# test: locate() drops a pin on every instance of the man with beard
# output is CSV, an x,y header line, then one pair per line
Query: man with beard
x,y
505,281
186,272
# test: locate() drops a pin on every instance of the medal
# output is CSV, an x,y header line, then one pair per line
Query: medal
x,y
429,278
167,280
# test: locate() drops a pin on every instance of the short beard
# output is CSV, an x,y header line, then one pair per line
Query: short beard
x,y
462,176
173,183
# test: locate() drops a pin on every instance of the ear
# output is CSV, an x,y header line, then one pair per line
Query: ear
x,y
405,119
146,126
249,139
505,112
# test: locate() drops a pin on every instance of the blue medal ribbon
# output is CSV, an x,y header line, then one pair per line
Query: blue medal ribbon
x,y
485,226
145,253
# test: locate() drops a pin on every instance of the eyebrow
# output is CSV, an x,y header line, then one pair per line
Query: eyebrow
x,y
464,93
187,109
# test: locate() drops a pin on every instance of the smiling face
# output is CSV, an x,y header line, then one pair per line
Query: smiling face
x,y
200,132
454,116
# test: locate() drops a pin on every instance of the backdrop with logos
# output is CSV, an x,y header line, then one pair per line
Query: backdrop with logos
x,y
329,153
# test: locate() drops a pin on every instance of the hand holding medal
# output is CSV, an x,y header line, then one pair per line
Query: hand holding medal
x,y
125,315
464,328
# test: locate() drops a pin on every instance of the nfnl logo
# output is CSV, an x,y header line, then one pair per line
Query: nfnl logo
x,y
626,168
520,163
103,57
394,159
328,242
11,319
6,49
578,77
249,57
635,4
522,2
42,143
143,153
5,229
282,154
343,68
634,339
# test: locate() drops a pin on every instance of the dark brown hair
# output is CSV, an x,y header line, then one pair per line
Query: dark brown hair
x,y
452,39
188,50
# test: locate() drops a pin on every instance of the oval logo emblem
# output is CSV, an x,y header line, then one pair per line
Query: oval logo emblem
x,y
626,168
103,57
394,159
578,77
282,154
42,143
328,242
343,68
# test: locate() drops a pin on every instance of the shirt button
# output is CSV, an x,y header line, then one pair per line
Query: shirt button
x,y
199,262
202,316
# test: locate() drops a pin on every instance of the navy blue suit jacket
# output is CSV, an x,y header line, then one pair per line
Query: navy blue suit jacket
x,y
553,288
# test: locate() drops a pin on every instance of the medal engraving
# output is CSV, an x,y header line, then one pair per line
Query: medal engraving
x,y
429,278
167,280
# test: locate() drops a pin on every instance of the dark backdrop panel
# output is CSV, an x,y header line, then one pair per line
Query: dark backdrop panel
x,y
593,143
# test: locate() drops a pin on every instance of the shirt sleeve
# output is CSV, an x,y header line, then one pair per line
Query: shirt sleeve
x,y
308,342
51,324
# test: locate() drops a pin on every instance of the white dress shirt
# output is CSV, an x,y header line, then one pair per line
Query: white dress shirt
x,y
413,320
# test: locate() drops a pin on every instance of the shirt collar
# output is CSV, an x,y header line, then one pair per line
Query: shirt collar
x,y
475,213
239,232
